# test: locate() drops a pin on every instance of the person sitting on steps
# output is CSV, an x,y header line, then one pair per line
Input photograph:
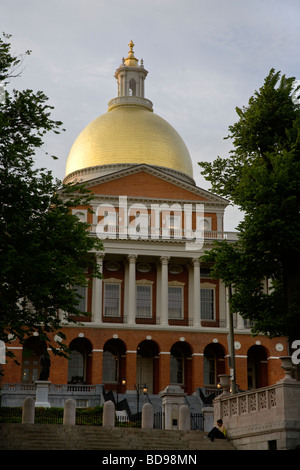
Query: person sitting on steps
x,y
217,432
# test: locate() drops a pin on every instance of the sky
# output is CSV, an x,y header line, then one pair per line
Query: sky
x,y
204,58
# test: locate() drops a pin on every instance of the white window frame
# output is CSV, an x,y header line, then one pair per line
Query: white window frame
x,y
115,282
176,285
82,303
210,371
107,370
207,287
144,283
81,214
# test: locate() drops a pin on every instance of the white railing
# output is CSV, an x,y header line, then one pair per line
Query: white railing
x,y
130,100
13,394
258,418
152,233
248,402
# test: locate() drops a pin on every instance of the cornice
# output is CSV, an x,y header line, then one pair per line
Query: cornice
x,y
155,171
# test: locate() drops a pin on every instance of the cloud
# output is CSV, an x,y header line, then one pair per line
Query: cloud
x,y
204,58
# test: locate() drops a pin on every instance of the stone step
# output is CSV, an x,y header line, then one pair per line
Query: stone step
x,y
59,437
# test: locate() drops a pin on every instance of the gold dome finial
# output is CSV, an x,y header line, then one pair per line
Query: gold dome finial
x,y
131,61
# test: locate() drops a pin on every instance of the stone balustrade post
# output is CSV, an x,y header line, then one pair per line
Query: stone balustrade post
x,y
28,412
147,416
69,412
184,418
108,414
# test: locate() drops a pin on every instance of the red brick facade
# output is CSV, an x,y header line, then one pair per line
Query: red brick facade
x,y
199,351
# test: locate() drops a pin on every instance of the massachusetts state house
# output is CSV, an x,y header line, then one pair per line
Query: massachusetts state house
x,y
157,315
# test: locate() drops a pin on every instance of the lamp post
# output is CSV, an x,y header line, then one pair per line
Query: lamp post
x,y
138,387
231,347
122,383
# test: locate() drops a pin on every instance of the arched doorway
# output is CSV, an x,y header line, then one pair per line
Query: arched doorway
x,y
147,365
32,350
79,361
213,364
257,367
181,366
114,354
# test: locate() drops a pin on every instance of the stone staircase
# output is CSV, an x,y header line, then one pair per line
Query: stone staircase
x,y
131,399
60,437
193,401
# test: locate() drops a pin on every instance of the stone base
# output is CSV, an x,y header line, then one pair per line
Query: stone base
x,y
42,390
285,435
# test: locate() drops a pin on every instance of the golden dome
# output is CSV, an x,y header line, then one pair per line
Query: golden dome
x,y
130,135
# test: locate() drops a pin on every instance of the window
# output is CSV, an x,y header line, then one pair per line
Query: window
x,y
176,366
143,301
207,304
175,226
110,365
132,87
76,367
32,352
111,300
209,370
81,291
175,302
213,364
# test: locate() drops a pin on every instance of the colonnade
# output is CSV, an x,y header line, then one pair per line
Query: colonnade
x,y
162,283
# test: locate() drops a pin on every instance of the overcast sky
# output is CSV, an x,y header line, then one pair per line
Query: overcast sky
x,y
204,58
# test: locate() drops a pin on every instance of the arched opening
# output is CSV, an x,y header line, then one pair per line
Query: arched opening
x,y
181,366
132,87
257,367
79,361
147,365
32,350
114,354
213,365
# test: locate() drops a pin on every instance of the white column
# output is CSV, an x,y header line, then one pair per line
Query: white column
x,y
197,305
95,217
164,289
219,222
240,322
131,289
97,293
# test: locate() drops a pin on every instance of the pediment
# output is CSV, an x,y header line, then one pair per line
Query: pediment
x,y
146,182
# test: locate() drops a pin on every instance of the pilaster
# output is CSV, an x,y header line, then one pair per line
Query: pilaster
x,y
131,289
164,289
97,293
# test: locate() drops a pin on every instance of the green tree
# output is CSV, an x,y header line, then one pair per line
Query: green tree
x,y
44,250
262,177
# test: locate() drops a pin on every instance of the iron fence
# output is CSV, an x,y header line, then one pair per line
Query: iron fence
x,y
197,422
91,417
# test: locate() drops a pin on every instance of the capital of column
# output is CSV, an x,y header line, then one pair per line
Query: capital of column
x,y
99,257
196,262
132,258
164,260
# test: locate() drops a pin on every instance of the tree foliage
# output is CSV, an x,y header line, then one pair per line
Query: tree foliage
x,y
44,249
262,177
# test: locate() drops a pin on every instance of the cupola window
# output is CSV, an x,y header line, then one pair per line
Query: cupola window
x,y
132,87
